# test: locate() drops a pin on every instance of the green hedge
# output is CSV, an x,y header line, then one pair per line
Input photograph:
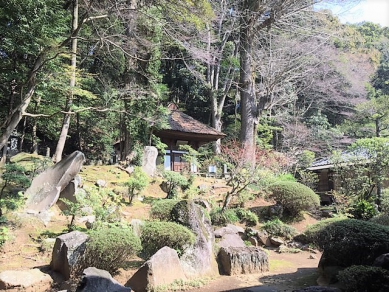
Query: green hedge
x,y
349,242
230,216
220,218
364,278
382,219
294,197
108,247
156,235
161,209
246,216
278,228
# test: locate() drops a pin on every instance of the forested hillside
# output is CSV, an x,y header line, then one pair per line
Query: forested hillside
x,y
278,82
82,75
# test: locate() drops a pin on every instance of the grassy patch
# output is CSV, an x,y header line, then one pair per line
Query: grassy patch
x,y
113,175
279,265
51,234
181,285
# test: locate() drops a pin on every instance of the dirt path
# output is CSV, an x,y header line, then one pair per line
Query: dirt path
x,y
287,273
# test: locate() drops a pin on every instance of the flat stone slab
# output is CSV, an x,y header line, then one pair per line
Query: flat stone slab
x,y
23,279
243,260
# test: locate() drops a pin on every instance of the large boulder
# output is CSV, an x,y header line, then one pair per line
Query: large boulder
x,y
264,238
231,240
68,253
276,241
47,186
149,164
163,268
328,269
382,261
242,260
198,260
231,236
69,192
260,237
23,279
229,229
96,280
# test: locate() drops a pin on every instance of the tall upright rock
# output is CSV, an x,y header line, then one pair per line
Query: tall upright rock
x,y
47,186
149,163
198,260
154,273
68,253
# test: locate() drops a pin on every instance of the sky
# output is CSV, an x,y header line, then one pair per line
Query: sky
x,y
376,11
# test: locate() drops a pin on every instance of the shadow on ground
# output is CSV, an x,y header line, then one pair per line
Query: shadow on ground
x,y
286,282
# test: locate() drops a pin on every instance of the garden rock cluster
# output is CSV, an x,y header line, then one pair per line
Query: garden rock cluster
x,y
196,261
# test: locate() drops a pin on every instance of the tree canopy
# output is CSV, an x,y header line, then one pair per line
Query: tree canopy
x,y
280,75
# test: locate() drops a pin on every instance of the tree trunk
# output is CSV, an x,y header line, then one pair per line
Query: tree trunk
x,y
216,118
79,137
227,201
4,157
23,134
66,121
213,84
11,105
34,149
218,97
249,111
377,128
15,117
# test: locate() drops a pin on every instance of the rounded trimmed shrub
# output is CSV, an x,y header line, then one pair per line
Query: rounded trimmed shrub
x,y
247,216
109,246
222,218
229,216
161,209
156,235
382,219
278,228
364,278
349,242
294,197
